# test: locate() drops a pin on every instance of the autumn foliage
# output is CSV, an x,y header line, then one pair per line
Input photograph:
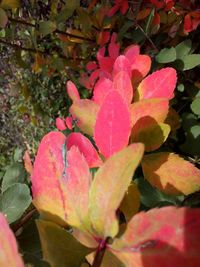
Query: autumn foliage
x,y
87,174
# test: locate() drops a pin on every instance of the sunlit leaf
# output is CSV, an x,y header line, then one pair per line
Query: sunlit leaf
x,y
109,186
121,64
7,4
58,177
171,174
85,147
161,237
9,255
47,27
156,108
72,91
159,84
101,89
113,119
122,83
85,112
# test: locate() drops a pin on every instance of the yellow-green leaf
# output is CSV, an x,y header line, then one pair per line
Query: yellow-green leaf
x,y
59,247
171,174
109,186
149,132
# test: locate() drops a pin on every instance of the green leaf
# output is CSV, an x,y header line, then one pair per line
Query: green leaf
x,y
195,106
47,27
191,61
181,87
14,201
183,49
3,18
14,174
166,55
68,10
59,247
31,251
7,4
17,154
151,197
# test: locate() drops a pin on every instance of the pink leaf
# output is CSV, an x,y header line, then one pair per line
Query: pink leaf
x,y
113,126
122,83
159,84
85,147
161,237
60,124
91,65
140,67
156,108
9,256
131,52
121,64
58,177
69,122
101,89
72,91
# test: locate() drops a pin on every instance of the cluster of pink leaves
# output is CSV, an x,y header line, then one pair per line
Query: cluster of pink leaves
x,y
127,106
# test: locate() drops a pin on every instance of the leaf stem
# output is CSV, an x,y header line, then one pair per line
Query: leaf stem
x,y
100,253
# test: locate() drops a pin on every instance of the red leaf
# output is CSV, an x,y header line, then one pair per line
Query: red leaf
x,y
131,52
106,63
72,91
60,124
121,64
113,126
161,237
69,122
9,256
101,89
122,83
85,146
159,84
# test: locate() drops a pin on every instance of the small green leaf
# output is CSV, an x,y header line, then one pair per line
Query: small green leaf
x,y
183,49
14,174
166,55
59,247
180,87
3,18
17,154
14,201
195,106
191,61
47,27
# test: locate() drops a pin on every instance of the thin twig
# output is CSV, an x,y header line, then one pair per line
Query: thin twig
x,y
36,25
24,220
